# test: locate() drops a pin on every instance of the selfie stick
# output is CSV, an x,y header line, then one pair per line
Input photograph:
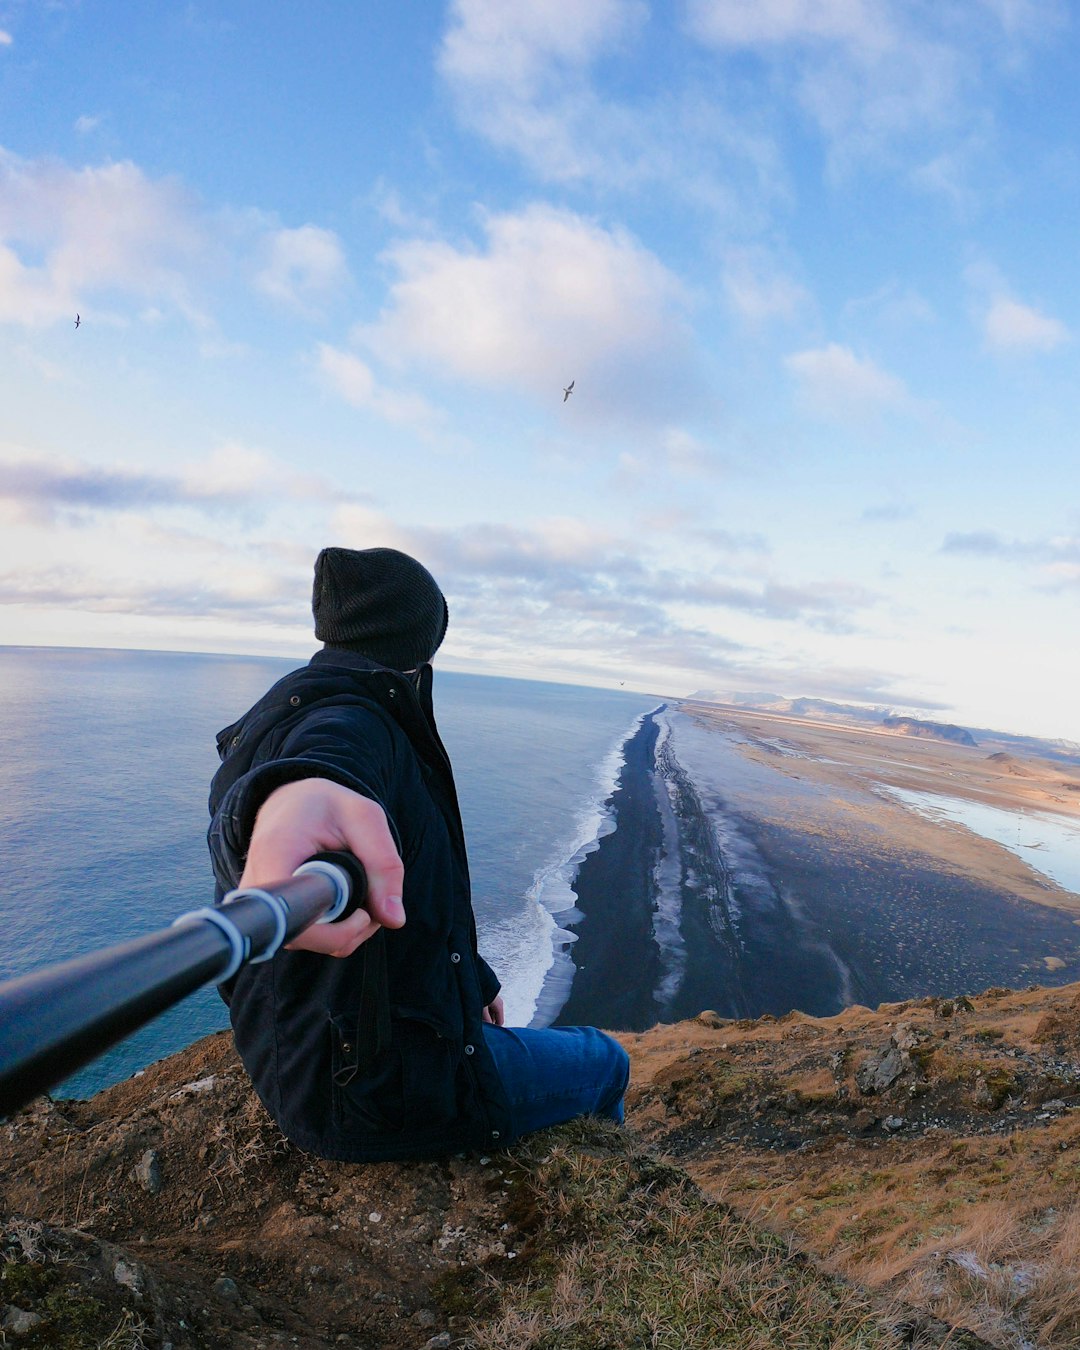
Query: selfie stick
x,y
55,1020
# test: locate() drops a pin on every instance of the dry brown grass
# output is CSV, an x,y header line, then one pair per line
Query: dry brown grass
x,y
969,1211
980,1236
130,1333
625,1251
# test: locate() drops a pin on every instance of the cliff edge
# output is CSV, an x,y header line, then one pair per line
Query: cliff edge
x,y
904,1176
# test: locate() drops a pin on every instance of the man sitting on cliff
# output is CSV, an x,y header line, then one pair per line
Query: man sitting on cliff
x,y
375,1038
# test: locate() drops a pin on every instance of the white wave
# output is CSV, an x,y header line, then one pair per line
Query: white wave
x,y
667,875
522,944
553,883
551,895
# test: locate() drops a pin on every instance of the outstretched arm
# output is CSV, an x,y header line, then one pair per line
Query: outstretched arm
x,y
313,815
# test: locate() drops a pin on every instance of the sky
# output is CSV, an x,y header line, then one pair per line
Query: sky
x,y
812,266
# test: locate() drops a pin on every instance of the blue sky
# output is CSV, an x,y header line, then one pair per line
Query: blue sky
x,y
812,265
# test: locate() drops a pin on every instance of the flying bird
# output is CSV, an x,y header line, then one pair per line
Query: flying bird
x,y
77,320
568,391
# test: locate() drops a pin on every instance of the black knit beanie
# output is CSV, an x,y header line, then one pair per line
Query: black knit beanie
x,y
380,603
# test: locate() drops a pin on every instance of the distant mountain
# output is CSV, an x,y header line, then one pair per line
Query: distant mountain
x,y
1064,752
860,714
817,709
934,731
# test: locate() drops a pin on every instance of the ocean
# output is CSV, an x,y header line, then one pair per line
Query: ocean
x,y
630,862
105,762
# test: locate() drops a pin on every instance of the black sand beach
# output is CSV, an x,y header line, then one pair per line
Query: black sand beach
x,y
616,959
835,907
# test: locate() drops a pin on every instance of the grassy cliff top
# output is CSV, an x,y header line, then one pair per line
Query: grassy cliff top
x,y
904,1176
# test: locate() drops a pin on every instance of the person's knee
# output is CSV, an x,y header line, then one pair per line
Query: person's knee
x,y
616,1075
620,1064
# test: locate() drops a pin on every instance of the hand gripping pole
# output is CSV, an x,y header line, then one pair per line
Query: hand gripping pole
x,y
55,1020
293,907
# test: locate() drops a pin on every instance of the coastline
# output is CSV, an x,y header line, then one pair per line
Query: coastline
x,y
743,950
736,881
615,900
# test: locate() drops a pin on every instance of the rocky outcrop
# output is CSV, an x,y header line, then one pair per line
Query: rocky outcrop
x,y
935,731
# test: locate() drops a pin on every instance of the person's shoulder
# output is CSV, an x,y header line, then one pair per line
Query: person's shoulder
x,y
342,695
276,696
299,691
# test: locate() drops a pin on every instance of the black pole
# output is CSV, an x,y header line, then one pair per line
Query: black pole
x,y
55,1020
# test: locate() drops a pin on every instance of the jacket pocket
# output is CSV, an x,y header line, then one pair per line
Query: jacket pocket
x,y
366,1080
409,1086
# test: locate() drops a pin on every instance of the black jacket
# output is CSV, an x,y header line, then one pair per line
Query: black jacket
x,y
379,1055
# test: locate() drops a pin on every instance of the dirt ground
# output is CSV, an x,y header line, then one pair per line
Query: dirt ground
x,y
929,1152
229,1236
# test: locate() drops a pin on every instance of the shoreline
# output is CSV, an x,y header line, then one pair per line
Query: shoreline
x,y
615,901
781,894
558,978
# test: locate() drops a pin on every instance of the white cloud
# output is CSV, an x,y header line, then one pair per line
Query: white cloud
x,y
1029,18
397,212
553,296
568,561
67,234
837,384
1010,326
97,238
862,25
5,38
948,173
519,75
355,381
758,289
1053,561
668,455
1063,575
211,548
85,124
893,305
303,266
858,69
244,474
530,79
686,454
1051,551
500,43
877,75
591,604
245,595
42,488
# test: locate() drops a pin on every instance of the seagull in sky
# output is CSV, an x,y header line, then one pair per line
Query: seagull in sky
x,y
77,321
568,391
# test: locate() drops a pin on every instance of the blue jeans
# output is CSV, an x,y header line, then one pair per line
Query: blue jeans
x,y
556,1073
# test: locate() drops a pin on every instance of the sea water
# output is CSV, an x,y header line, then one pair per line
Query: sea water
x,y
1049,843
105,762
